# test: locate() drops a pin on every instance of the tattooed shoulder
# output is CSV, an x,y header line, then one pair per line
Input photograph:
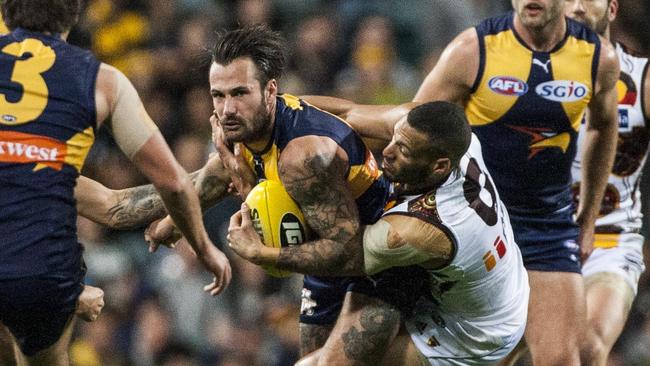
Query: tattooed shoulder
x,y
317,182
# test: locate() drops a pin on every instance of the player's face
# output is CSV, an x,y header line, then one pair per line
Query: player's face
x,y
537,14
240,104
594,13
405,159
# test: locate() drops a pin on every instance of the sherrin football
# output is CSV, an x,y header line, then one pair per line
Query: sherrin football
x,y
276,218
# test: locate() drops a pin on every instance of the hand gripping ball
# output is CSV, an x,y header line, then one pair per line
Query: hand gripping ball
x,y
276,218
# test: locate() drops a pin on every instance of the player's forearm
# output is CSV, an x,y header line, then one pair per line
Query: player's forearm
x,y
94,200
598,157
337,106
139,206
211,187
136,207
322,257
184,208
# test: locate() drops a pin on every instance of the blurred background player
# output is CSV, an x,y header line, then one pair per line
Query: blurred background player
x,y
612,271
54,98
525,80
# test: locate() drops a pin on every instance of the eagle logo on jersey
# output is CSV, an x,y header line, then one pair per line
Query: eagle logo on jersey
x,y
544,138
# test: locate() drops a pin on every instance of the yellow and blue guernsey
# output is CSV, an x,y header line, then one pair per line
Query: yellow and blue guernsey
x,y
47,126
295,118
322,297
526,107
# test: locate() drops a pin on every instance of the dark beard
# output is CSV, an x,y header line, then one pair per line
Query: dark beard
x,y
259,127
601,25
409,176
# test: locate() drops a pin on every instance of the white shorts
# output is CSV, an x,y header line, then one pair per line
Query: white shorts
x,y
621,254
450,340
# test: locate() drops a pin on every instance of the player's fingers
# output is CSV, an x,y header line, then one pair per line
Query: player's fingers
x,y
245,215
214,288
235,221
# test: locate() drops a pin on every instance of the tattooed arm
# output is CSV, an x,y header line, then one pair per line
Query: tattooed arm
x,y
138,206
313,170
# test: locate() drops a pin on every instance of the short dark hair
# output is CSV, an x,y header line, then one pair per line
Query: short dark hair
x,y
265,47
53,16
446,126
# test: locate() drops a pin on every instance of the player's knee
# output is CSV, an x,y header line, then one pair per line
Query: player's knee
x,y
593,349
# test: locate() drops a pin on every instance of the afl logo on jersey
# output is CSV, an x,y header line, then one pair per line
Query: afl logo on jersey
x,y
508,85
562,90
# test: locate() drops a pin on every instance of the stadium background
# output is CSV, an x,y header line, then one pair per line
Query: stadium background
x,y
368,51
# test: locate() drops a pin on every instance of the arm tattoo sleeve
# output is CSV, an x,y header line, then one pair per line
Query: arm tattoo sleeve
x,y
139,206
136,207
211,188
320,189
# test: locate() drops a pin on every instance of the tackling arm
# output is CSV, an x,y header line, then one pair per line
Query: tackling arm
x,y
369,121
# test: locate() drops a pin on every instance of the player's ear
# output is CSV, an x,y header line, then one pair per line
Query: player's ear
x,y
442,167
271,90
612,10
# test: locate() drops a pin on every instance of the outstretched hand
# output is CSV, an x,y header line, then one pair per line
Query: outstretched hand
x,y
243,239
232,157
216,262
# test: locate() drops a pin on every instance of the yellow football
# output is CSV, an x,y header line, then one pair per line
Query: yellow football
x,y
276,218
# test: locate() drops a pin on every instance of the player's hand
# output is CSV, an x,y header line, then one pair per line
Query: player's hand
x,y
242,176
242,237
586,240
162,232
216,262
90,303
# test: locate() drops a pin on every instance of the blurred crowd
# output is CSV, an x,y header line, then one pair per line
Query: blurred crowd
x,y
368,51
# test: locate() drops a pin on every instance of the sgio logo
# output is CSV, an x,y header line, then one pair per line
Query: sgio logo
x,y
562,90
508,85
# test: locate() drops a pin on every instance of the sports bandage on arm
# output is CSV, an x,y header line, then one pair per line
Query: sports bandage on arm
x,y
130,122
378,256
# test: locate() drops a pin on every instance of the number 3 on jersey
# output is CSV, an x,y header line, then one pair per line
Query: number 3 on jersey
x,y
33,58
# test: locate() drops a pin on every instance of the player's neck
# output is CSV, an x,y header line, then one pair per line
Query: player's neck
x,y
606,34
542,39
